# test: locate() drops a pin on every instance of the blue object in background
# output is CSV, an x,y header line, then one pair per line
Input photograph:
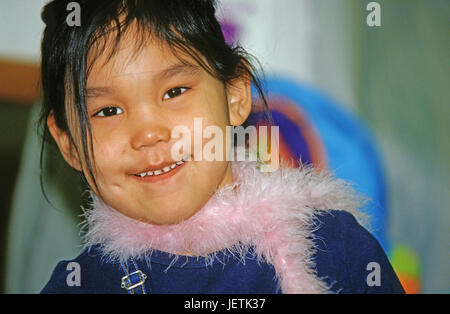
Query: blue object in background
x,y
351,150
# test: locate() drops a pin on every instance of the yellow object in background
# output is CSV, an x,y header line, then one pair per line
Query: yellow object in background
x,y
407,266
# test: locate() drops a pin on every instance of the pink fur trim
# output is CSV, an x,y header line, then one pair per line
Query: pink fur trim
x,y
271,212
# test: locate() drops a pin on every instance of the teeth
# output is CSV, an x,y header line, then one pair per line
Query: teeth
x,y
161,171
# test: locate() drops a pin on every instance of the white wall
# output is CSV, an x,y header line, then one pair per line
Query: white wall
x,y
20,29
308,40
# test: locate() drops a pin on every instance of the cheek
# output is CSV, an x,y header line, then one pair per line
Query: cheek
x,y
217,107
109,153
211,104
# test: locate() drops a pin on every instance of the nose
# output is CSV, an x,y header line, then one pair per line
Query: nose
x,y
148,133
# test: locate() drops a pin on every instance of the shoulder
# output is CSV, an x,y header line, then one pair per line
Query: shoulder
x,y
349,258
87,273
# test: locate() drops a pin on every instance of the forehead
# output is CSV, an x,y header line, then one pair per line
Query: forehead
x,y
135,53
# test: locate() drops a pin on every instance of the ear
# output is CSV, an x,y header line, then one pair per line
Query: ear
x,y
239,96
65,146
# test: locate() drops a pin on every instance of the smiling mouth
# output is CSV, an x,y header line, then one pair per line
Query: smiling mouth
x,y
155,171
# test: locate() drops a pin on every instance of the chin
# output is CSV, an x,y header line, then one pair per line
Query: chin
x,y
164,219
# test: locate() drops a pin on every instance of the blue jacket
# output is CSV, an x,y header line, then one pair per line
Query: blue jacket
x,y
348,258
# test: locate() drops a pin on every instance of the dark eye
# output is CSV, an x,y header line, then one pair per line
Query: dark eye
x,y
109,112
174,92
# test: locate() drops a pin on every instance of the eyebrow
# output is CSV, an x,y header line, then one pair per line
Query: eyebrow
x,y
98,91
178,68
171,71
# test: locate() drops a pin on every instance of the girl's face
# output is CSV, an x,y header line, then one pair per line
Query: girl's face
x,y
134,101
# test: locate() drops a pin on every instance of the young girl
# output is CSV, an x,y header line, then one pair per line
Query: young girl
x,y
114,89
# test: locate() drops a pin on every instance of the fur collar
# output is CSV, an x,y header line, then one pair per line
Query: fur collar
x,y
272,212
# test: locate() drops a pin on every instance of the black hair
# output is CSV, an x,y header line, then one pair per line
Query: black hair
x,y
187,26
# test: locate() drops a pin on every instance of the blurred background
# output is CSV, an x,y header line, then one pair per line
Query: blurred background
x,y
370,104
